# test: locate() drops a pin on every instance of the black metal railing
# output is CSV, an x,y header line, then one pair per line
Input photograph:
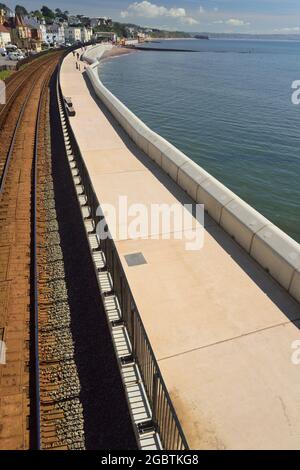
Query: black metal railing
x,y
164,417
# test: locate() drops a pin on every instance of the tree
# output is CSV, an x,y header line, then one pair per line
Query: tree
x,y
61,14
37,14
58,11
47,13
20,10
119,28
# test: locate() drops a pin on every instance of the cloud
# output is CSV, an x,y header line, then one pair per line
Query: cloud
x,y
147,9
236,22
294,29
188,20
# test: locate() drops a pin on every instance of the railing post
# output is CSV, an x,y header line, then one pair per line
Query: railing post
x,y
121,292
112,269
133,331
154,399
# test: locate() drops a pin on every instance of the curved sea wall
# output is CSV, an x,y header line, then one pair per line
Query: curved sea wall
x,y
94,53
273,249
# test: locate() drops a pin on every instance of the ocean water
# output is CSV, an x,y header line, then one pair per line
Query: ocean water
x,y
228,107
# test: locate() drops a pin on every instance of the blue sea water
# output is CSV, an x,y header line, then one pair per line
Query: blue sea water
x,y
228,107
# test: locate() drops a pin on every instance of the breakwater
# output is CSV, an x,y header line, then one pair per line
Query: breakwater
x,y
160,49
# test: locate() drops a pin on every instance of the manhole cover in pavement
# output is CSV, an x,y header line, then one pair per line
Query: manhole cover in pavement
x,y
135,259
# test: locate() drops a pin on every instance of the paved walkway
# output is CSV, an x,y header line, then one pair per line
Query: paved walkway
x,y
220,327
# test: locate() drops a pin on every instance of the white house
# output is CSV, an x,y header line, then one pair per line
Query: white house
x,y
94,22
4,36
86,34
55,33
38,24
72,34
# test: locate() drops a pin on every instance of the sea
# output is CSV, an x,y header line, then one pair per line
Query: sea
x,y
228,106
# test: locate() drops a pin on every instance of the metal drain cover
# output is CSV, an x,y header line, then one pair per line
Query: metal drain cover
x,y
135,259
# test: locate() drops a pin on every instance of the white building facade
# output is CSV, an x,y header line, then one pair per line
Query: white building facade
x,y
94,22
5,37
39,25
72,34
55,34
86,34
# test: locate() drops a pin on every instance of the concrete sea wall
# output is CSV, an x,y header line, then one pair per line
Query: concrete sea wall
x,y
273,249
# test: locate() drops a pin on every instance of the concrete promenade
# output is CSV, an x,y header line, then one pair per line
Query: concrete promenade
x,y
220,327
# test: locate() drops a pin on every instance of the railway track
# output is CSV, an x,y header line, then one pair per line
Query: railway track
x,y
19,77
41,401
17,90
23,124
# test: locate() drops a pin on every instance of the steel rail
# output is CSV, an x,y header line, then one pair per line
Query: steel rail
x,y
17,126
16,90
13,140
34,224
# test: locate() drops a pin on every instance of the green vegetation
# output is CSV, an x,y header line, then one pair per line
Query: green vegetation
x,y
118,28
48,14
123,30
37,14
4,74
157,33
20,10
61,14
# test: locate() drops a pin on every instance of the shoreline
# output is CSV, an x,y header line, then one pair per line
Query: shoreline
x,y
171,39
117,51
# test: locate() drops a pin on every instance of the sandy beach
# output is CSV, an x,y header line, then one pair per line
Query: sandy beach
x,y
117,51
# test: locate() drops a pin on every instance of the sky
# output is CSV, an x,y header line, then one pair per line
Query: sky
x,y
231,16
